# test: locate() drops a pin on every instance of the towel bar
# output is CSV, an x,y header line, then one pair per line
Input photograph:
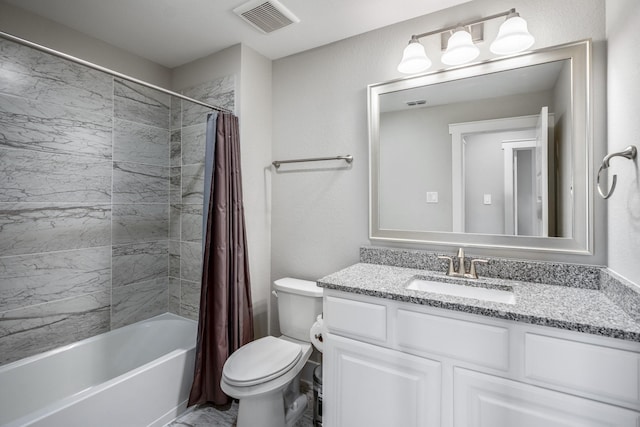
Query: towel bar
x,y
628,153
348,158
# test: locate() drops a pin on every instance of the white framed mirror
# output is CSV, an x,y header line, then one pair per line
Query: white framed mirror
x,y
495,154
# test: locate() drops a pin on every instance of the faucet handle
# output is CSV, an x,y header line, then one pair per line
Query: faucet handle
x,y
472,269
451,270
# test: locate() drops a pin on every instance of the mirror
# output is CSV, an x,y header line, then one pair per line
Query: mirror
x,y
494,154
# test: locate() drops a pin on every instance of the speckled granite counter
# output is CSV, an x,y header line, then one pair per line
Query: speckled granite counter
x,y
577,309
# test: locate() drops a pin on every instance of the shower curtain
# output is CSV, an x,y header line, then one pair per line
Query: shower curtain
x,y
226,317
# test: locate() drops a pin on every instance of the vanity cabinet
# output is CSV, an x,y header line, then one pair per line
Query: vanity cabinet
x,y
374,386
389,363
482,400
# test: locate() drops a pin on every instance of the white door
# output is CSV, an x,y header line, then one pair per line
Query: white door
x,y
482,400
513,182
367,385
542,173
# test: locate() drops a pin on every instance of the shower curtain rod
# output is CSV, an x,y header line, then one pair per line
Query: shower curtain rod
x,y
107,70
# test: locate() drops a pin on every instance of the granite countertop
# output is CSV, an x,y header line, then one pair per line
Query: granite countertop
x,y
570,308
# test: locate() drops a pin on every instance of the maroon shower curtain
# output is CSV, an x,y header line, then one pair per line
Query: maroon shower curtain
x,y
226,315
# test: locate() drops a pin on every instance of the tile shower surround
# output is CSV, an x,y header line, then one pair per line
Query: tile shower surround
x,y
94,215
188,131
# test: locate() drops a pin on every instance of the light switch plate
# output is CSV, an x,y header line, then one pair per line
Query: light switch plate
x,y
432,197
487,199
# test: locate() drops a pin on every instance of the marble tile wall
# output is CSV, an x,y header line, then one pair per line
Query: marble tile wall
x,y
140,226
101,189
84,202
188,128
55,201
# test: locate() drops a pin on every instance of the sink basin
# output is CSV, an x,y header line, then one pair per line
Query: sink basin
x,y
479,292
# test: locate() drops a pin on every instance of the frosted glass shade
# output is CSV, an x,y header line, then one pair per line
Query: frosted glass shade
x,y
513,37
460,49
414,58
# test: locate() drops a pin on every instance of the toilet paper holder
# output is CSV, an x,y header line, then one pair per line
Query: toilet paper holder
x,y
318,336
315,333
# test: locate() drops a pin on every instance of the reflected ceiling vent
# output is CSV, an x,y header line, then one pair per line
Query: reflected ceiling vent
x,y
418,102
266,16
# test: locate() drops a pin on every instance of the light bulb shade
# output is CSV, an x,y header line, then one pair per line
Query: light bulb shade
x,y
513,37
460,49
414,58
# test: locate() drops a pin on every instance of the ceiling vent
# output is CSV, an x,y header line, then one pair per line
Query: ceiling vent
x,y
266,16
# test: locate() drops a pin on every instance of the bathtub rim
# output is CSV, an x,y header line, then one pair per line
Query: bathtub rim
x,y
117,331
68,401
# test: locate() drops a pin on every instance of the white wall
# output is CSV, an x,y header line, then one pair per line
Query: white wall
x,y
255,138
34,28
253,107
320,219
623,32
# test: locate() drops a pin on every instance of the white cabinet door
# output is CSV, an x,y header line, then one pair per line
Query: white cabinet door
x,y
367,385
583,368
482,400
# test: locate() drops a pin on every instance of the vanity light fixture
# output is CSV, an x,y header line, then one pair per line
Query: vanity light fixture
x,y
414,58
513,37
460,48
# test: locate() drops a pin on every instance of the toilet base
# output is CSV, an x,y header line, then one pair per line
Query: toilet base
x,y
269,411
266,410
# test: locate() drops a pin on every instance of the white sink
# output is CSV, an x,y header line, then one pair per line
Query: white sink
x,y
460,290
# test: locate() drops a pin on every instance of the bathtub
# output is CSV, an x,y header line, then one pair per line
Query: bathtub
x,y
135,376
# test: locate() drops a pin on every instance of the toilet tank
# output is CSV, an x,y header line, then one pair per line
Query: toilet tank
x,y
299,303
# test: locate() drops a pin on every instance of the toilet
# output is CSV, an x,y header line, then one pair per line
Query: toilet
x,y
265,374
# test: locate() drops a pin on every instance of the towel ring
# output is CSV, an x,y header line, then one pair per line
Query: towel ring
x,y
629,153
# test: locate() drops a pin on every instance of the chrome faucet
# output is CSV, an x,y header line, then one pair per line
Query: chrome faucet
x,y
472,274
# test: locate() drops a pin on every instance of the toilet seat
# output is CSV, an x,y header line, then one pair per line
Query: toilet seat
x,y
260,361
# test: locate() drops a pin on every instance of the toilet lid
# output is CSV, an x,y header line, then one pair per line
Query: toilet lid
x,y
260,361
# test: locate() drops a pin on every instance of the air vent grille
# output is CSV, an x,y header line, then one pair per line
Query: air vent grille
x,y
266,16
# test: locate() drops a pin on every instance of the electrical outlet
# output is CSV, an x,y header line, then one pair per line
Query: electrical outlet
x,y
432,197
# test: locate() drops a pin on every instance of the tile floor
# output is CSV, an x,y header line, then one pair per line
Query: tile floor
x,y
209,416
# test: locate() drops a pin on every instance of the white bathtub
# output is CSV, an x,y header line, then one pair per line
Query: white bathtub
x,y
135,376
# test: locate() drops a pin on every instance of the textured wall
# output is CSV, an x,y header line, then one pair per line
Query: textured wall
x,y
320,218
623,80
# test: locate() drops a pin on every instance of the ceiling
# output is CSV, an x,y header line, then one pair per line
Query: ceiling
x,y
175,32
